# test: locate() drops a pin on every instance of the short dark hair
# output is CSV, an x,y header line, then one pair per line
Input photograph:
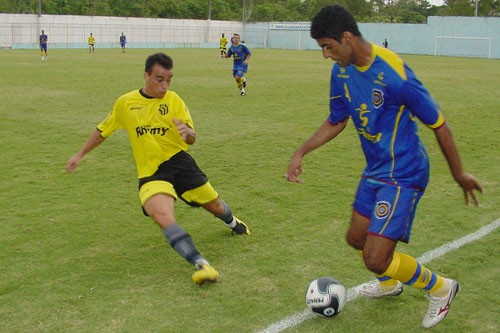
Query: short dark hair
x,y
331,21
161,59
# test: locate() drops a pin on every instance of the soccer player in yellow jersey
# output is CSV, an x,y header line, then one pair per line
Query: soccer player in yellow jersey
x,y
160,130
222,46
91,43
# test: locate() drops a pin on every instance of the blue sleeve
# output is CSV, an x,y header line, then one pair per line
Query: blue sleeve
x,y
247,50
419,101
339,111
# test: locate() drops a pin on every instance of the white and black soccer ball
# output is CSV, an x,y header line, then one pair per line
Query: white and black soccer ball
x,y
326,296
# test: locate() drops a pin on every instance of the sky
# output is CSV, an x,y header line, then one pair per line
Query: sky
x,y
436,2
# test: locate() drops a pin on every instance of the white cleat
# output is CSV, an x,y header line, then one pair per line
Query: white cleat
x,y
372,289
439,306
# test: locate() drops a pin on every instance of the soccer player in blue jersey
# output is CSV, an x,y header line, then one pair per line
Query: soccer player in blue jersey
x,y
44,39
123,42
383,98
241,54
161,130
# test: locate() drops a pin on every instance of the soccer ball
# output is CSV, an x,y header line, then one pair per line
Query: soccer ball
x,y
326,296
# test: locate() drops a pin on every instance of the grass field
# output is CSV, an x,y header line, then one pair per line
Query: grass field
x,y
77,255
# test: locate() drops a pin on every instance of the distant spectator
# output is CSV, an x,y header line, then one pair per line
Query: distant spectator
x,y
385,43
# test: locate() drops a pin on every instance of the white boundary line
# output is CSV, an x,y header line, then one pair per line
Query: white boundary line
x,y
298,318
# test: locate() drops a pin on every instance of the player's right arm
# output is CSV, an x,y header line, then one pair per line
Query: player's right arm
x,y
324,134
93,141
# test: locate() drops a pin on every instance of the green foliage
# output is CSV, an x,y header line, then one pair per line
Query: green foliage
x,y
460,8
401,11
77,254
468,8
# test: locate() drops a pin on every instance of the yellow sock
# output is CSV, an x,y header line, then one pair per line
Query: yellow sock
x,y
239,83
409,271
386,283
440,289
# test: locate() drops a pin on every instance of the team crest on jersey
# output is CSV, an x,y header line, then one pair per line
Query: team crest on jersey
x,y
163,109
377,98
382,209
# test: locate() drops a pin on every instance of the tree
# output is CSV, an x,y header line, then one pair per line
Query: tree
x,y
410,11
459,7
489,8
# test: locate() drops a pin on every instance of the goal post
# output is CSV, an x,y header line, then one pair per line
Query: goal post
x,y
463,46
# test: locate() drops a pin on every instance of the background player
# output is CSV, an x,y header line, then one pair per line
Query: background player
x,y
160,131
372,86
91,43
223,46
241,54
44,39
123,42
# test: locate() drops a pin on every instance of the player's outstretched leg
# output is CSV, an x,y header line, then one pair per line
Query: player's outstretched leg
x,y
182,242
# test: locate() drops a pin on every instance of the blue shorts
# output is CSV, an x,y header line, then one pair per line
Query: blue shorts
x,y
240,72
390,208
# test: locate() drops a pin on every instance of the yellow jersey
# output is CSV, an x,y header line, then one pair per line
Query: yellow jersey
x,y
223,42
148,122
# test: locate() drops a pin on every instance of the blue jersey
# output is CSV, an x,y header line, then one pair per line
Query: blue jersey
x,y
383,100
43,40
239,52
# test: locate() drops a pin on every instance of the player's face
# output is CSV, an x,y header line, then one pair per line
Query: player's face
x,y
236,39
158,82
338,52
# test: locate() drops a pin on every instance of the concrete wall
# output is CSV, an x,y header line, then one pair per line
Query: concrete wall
x,y
67,31
465,36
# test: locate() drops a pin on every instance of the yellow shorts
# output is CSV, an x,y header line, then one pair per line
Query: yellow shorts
x,y
196,197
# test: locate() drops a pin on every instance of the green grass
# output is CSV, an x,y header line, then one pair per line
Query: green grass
x,y
77,255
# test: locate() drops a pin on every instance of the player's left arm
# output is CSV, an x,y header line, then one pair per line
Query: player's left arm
x,y
468,182
248,55
424,106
